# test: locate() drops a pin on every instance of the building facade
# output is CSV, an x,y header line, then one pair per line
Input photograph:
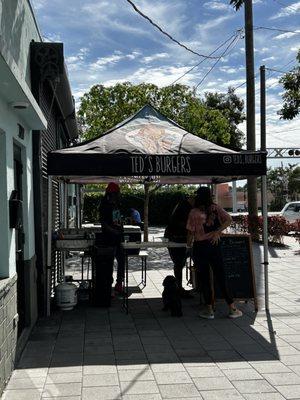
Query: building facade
x,y
36,115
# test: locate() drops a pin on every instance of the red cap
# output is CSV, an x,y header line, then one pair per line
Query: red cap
x,y
112,187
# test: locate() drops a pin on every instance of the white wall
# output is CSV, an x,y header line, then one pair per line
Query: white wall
x,y
8,136
18,27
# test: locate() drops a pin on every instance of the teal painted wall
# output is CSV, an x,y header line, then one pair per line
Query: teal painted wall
x,y
18,28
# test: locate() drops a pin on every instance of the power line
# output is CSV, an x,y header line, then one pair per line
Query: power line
x,y
166,33
233,43
197,65
275,29
277,70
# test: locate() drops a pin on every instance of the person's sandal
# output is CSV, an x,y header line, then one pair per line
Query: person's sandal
x,y
235,313
206,314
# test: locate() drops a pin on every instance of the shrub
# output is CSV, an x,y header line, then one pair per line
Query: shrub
x,y
161,204
277,226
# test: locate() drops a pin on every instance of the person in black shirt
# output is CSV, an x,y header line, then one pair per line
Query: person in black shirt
x,y
176,232
112,228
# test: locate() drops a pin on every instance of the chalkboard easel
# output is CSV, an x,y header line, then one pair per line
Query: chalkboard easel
x,y
238,267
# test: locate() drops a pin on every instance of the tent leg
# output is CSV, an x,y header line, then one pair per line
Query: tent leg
x,y
49,246
78,208
234,202
265,238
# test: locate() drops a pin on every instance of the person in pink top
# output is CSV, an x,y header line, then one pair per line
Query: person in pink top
x,y
205,224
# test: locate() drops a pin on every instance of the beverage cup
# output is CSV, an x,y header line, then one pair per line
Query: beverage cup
x,y
126,238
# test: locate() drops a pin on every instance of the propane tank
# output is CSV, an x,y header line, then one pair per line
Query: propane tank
x,y
66,296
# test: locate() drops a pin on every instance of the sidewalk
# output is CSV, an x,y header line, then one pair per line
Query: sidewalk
x,y
92,353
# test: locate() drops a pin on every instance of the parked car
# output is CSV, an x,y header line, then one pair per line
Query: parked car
x,y
291,211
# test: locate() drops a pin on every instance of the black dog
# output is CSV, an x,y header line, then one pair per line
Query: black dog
x,y
171,296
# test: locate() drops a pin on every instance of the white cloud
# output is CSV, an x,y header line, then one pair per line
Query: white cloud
x,y
286,35
291,9
216,5
38,4
154,57
112,59
272,58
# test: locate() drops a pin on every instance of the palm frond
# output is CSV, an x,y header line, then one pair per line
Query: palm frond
x,y
237,4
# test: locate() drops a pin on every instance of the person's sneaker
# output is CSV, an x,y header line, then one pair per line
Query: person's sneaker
x,y
119,288
185,294
235,313
207,314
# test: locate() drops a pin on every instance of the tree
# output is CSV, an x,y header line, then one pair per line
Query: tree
x,y
284,184
104,107
232,108
291,95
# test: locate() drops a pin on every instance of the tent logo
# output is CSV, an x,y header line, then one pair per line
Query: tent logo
x,y
227,159
153,139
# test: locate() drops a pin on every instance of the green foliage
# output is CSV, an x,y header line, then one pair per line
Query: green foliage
x,y
284,183
232,108
161,203
104,107
291,95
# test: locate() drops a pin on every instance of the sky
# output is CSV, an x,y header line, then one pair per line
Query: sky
x,y
106,41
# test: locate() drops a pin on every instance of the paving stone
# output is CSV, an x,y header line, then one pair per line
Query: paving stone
x,y
291,360
289,391
180,391
99,369
106,393
64,377
213,383
30,373
65,370
136,375
242,375
270,367
26,383
167,367
100,380
264,396
139,387
22,394
204,372
230,394
139,367
233,365
143,397
255,386
62,389
172,377
295,368
283,379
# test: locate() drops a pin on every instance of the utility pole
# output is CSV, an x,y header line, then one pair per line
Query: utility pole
x,y
250,96
264,194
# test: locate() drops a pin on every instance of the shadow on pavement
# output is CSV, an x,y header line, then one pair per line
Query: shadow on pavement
x,y
94,337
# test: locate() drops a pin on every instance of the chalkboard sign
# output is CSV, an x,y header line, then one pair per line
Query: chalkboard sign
x,y
238,267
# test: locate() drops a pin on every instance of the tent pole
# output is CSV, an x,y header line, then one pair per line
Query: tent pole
x,y
78,211
264,198
66,211
234,202
265,238
49,246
